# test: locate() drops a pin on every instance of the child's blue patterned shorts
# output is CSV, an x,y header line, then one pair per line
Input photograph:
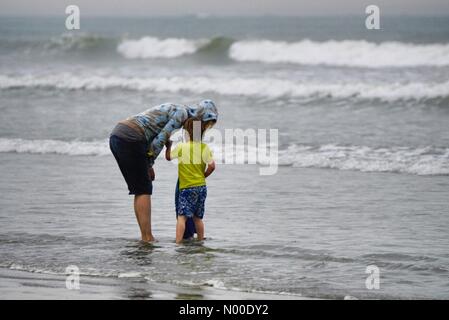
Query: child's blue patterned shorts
x,y
191,201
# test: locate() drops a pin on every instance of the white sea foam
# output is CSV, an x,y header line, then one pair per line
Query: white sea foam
x,y
57,271
130,275
352,53
20,267
71,148
251,87
151,47
420,161
218,284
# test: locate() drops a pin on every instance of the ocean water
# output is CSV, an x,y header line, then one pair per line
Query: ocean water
x,y
363,120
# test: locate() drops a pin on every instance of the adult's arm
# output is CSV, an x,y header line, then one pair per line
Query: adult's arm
x,y
168,150
176,120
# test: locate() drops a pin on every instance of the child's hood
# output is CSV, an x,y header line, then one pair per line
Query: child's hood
x,y
205,110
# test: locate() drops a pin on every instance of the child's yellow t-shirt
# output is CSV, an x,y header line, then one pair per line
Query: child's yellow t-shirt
x,y
192,160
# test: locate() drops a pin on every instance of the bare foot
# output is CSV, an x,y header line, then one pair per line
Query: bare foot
x,y
149,239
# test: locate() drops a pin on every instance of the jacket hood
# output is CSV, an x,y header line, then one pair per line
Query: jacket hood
x,y
205,110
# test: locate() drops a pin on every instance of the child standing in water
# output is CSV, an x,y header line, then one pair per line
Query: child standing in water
x,y
195,164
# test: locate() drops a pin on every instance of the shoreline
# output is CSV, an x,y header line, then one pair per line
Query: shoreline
x,y
24,285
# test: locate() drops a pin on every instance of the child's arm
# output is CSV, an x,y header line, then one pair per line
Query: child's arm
x,y
168,150
210,169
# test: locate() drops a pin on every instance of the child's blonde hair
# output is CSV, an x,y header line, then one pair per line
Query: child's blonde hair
x,y
191,124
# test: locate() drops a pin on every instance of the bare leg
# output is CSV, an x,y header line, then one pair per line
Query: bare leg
x,y
180,228
199,226
142,209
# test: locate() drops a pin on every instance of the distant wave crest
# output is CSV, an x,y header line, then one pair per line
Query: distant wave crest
x,y
426,160
342,53
351,53
345,53
250,87
151,47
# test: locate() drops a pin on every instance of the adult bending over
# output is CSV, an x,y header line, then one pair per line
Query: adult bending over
x,y
137,141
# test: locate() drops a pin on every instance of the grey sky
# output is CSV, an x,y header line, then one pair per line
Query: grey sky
x,y
222,7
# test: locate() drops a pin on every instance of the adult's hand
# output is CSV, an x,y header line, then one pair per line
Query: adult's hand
x,y
151,173
168,143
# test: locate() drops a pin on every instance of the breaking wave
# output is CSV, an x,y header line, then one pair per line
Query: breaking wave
x,y
71,148
151,47
343,53
349,53
346,53
426,160
420,161
250,87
